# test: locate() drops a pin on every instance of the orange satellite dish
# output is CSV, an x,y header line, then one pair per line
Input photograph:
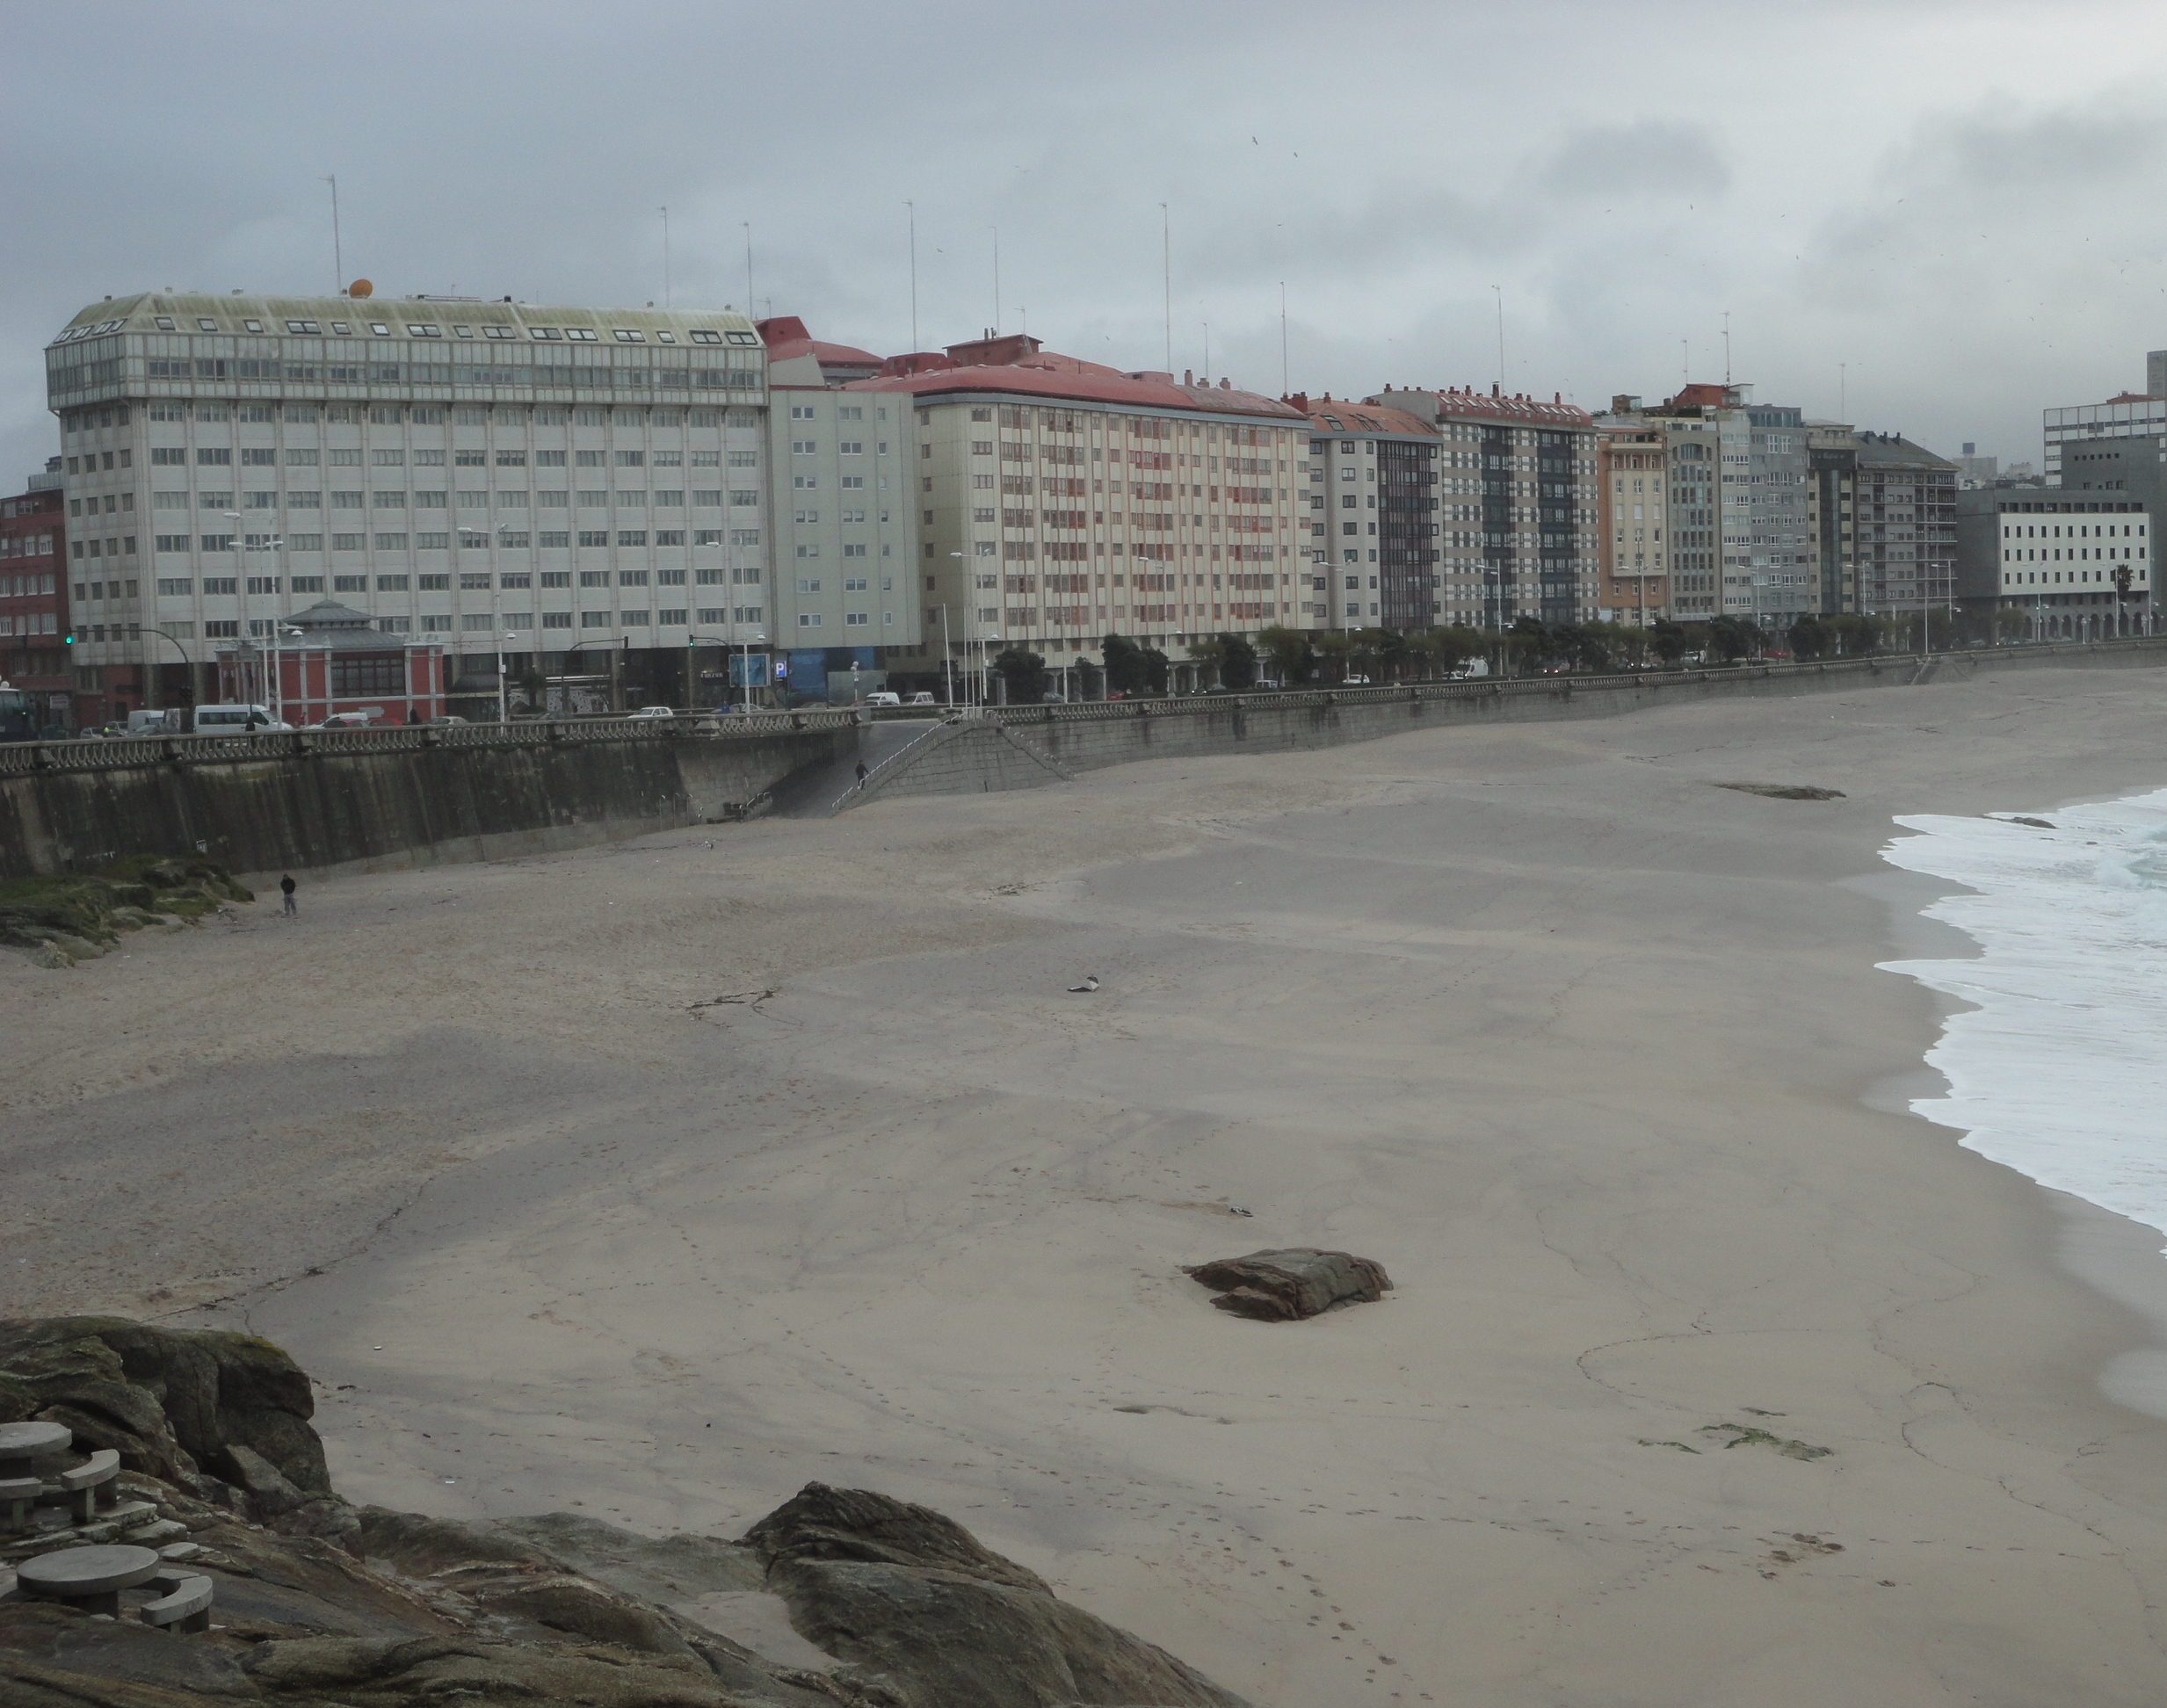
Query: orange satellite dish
x,y
360,287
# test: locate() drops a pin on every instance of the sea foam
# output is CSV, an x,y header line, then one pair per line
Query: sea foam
x,y
2058,1068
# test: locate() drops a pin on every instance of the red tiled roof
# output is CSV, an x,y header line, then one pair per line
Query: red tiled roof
x,y
1056,377
1342,417
1492,405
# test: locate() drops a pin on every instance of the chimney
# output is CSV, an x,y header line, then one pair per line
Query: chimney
x,y
1189,379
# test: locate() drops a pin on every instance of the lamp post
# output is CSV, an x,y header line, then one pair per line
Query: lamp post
x,y
187,663
968,633
241,549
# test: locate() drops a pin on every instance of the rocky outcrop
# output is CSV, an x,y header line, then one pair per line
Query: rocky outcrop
x,y
173,1403
1301,1281
839,1597
915,1600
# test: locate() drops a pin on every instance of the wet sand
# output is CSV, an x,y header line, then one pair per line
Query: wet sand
x,y
655,1181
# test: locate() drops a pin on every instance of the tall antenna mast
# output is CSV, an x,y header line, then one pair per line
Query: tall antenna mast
x,y
1725,350
1842,389
339,256
1207,352
1283,379
913,207
748,302
1501,364
665,214
1166,250
997,281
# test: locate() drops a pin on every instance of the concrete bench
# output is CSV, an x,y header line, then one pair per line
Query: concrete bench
x,y
185,1606
17,1495
81,1483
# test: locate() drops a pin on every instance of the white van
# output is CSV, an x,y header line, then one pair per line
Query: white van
x,y
238,720
144,722
882,698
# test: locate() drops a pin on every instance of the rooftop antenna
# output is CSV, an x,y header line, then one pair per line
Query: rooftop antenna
x,y
749,299
1283,379
1725,350
1166,251
997,282
665,214
339,256
913,207
1207,352
1685,350
1500,361
1842,389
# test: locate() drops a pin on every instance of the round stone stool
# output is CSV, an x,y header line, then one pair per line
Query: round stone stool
x,y
90,1578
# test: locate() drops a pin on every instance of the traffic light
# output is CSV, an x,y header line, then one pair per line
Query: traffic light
x,y
68,639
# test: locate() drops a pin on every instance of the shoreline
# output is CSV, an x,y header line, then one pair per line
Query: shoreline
x,y
1583,1049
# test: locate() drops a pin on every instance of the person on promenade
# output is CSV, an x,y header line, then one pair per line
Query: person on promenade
x,y
287,884
861,773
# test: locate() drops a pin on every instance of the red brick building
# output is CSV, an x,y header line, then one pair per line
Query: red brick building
x,y
33,598
331,658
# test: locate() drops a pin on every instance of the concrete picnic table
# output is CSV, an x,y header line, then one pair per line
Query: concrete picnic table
x,y
91,1578
21,1443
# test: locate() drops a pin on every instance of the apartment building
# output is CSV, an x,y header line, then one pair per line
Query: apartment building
x,y
1374,530
585,480
34,603
1632,509
844,600
2075,565
1880,522
1684,578
1059,500
1517,528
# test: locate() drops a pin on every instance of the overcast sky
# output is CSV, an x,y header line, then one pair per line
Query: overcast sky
x,y
1942,216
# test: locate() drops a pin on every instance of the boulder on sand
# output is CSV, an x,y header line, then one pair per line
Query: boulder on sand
x,y
1301,1281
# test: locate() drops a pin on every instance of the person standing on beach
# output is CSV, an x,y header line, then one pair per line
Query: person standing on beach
x,y
287,884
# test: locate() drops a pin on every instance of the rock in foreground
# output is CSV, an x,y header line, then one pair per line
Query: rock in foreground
x,y
1301,1281
840,1596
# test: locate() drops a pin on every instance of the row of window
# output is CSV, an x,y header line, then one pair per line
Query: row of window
x,y
504,417
589,498
220,456
305,329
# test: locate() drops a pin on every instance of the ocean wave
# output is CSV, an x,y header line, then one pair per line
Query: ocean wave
x,y
2057,1067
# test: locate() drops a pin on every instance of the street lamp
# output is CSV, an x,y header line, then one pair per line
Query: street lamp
x,y
241,549
744,646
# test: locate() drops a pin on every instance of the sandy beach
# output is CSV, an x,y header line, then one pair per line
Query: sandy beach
x,y
657,1180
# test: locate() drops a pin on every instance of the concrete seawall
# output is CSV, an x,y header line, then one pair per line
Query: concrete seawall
x,y
1069,739
322,800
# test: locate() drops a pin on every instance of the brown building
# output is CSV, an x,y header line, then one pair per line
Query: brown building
x,y
1631,492
33,598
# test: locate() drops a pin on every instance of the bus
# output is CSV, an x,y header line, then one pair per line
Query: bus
x,y
19,716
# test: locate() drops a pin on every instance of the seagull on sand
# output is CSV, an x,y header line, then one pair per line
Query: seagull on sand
x,y
1091,983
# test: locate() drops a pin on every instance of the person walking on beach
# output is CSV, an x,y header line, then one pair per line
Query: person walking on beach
x,y
287,884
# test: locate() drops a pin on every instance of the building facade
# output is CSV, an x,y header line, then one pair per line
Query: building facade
x,y
1518,511
2074,567
1057,501
1371,485
584,479
35,653
1633,484
1881,522
844,601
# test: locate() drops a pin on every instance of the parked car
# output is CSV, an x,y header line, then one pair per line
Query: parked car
x,y
347,720
883,699
653,711
922,697
238,720
1354,682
